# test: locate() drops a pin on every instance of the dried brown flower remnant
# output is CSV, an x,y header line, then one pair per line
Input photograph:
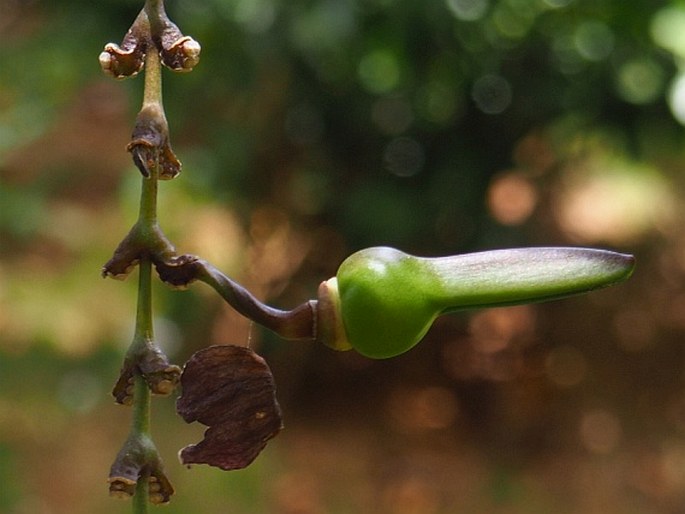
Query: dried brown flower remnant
x,y
183,55
142,240
231,390
150,145
126,60
147,359
138,458
178,51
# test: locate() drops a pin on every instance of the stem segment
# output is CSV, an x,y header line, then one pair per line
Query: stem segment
x,y
141,427
152,94
140,502
144,332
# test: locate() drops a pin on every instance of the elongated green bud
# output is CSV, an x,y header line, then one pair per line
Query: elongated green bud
x,y
383,301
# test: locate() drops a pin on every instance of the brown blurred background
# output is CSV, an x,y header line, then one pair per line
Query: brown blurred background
x,y
314,128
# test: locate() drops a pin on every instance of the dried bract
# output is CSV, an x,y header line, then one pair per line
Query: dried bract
x,y
231,390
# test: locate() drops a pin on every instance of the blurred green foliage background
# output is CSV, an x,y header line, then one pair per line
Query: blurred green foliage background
x,y
313,128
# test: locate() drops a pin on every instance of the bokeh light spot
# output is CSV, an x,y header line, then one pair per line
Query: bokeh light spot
x,y
438,102
425,408
392,115
213,232
600,431
324,26
594,40
379,71
510,23
410,495
566,55
404,157
640,81
511,198
618,205
494,329
555,4
79,391
566,366
304,124
668,29
676,98
492,94
257,16
468,10
673,465
635,328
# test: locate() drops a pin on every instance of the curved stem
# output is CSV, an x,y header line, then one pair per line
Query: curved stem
x,y
297,323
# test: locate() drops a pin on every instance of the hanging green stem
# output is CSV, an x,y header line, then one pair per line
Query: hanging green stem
x,y
152,94
144,332
154,9
150,474
147,219
152,41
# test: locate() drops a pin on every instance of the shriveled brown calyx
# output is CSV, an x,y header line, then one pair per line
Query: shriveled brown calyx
x,y
150,146
147,359
178,52
137,459
152,31
143,240
127,59
231,390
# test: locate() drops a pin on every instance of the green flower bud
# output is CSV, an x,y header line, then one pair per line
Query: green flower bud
x,y
383,301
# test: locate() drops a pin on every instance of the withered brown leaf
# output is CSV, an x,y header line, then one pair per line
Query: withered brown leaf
x,y
231,390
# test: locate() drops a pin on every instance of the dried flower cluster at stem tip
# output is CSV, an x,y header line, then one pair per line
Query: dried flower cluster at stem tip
x,y
151,31
178,52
